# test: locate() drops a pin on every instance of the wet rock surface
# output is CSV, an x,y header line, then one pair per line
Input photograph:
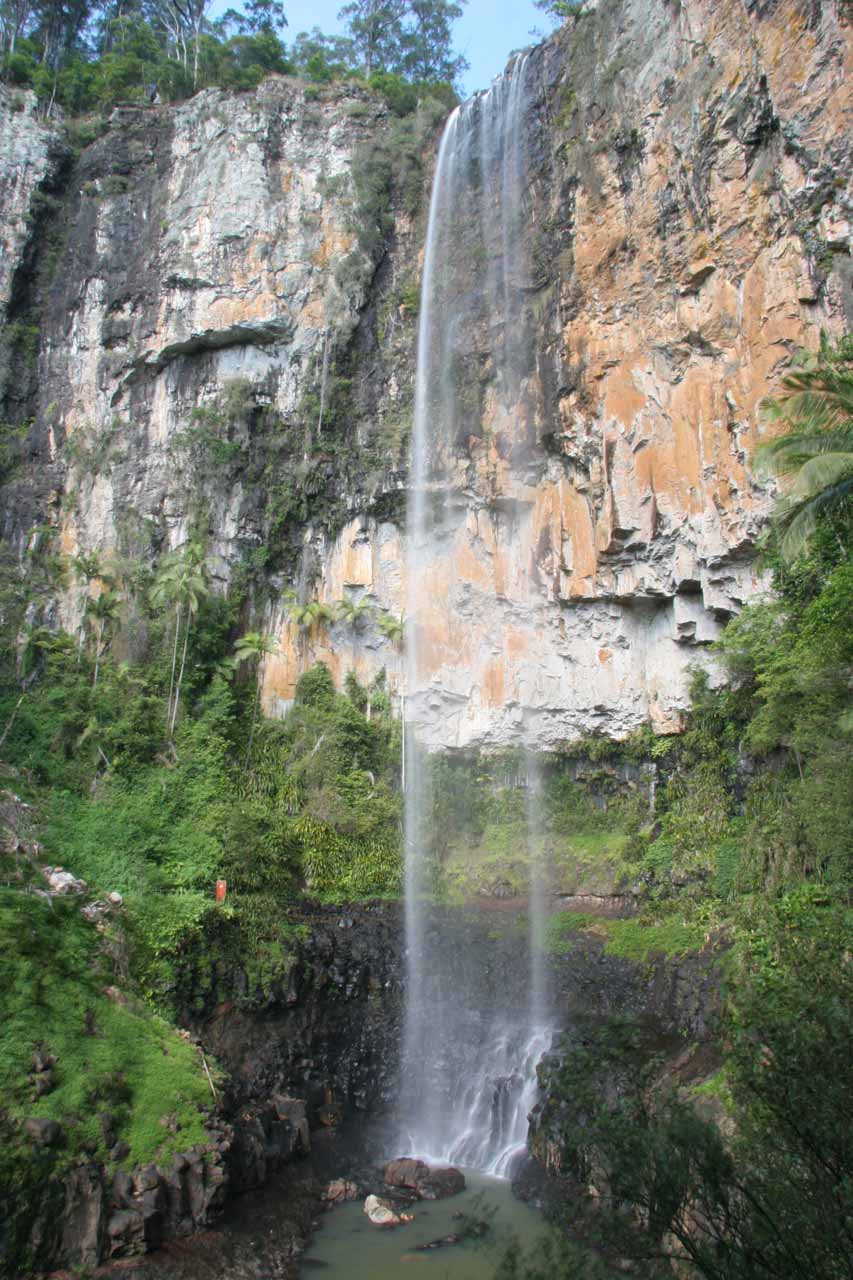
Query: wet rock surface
x,y
340,1191
259,1237
331,1034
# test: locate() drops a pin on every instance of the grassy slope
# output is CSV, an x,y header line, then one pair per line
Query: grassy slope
x,y
113,1055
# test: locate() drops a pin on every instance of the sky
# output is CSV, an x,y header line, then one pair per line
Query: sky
x,y
487,32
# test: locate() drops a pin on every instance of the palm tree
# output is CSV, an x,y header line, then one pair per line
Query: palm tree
x,y
104,609
254,647
353,612
392,628
816,405
309,615
183,583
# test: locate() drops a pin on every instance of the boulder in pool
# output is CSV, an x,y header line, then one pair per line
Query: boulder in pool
x,y
430,1183
441,1183
405,1172
383,1214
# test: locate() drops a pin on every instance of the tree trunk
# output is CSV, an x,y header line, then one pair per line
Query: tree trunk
x,y
254,718
195,51
174,661
98,656
181,673
11,720
82,632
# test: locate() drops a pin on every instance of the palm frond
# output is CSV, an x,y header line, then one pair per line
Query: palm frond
x,y
823,471
816,405
785,454
254,645
799,519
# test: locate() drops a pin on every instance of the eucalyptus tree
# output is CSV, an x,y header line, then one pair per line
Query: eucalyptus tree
x,y
58,26
182,22
322,57
428,44
815,455
181,583
14,17
559,9
254,647
377,33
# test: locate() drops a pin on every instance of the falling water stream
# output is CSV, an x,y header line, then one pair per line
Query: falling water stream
x,y
471,1044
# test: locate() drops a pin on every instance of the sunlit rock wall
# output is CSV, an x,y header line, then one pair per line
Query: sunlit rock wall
x,y
204,258
688,225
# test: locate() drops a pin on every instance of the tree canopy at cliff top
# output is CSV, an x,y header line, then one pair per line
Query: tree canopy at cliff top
x,y
88,56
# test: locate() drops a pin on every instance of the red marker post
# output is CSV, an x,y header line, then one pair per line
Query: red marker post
x,y
221,890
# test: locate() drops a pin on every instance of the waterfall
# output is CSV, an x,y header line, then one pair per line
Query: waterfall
x,y
471,1045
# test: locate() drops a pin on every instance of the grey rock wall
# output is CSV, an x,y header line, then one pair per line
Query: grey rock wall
x,y
27,152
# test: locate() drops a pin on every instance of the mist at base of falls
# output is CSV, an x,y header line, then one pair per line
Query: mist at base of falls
x,y
474,1032
469,1081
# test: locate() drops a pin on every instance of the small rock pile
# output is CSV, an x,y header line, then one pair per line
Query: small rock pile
x,y
415,1177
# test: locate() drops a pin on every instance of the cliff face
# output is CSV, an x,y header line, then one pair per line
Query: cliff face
x,y
685,231
226,350
27,153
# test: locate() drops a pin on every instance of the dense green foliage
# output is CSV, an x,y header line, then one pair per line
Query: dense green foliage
x,y
154,779
772,1198
632,939
122,1074
112,1055
315,804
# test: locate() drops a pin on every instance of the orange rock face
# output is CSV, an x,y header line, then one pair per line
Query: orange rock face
x,y
686,212
687,230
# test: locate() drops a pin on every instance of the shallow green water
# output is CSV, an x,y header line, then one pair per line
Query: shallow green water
x,y
348,1247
